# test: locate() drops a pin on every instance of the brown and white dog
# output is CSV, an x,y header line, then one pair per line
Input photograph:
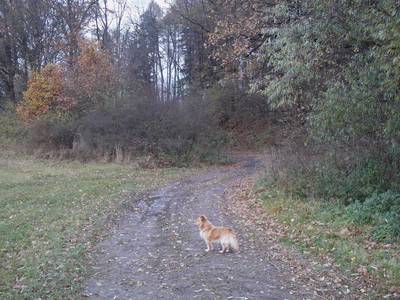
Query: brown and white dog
x,y
210,234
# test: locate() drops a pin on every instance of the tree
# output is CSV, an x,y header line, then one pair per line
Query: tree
x,y
75,16
240,31
194,17
56,89
45,95
91,81
143,55
9,49
29,34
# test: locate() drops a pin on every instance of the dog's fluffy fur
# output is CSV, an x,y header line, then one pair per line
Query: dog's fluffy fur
x,y
210,234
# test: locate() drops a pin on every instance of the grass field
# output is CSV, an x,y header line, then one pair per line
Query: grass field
x,y
51,214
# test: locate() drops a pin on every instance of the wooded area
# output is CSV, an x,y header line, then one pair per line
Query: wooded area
x,y
101,100
83,79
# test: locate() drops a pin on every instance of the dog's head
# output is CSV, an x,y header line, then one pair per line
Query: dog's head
x,y
201,220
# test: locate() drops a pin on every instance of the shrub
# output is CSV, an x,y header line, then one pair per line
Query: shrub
x,y
348,180
382,211
332,173
48,135
45,95
358,185
234,107
172,133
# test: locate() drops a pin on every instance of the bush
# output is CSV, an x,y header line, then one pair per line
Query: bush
x,y
45,95
47,135
358,185
382,211
356,178
234,107
332,173
172,133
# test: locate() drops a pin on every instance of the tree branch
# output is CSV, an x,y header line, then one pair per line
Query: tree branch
x,y
194,22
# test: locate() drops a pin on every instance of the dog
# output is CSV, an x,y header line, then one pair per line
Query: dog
x,y
210,234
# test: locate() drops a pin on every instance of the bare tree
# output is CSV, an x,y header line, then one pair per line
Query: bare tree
x,y
75,15
29,31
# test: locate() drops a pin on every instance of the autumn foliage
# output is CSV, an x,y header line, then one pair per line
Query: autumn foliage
x,y
91,81
45,94
81,88
238,30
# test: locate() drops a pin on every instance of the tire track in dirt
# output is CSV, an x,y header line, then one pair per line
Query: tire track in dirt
x,y
155,252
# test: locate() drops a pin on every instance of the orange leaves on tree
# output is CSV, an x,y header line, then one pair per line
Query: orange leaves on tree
x,y
56,89
92,76
44,94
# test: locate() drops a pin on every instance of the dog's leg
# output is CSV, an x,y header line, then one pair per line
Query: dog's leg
x,y
209,246
223,248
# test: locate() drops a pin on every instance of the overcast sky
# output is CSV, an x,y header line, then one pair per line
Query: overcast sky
x,y
143,3
136,7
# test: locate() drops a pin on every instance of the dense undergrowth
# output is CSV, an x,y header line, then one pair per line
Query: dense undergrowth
x,y
360,184
167,134
336,203
197,129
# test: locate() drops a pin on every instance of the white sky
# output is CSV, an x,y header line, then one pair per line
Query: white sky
x,y
143,3
135,7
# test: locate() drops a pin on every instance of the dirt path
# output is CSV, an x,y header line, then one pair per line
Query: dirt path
x,y
155,251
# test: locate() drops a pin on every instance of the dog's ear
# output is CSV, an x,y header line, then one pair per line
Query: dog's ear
x,y
203,218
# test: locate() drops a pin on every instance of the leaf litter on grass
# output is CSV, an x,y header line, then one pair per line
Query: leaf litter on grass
x,y
52,213
321,273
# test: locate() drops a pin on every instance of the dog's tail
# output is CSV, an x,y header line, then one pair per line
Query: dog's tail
x,y
233,242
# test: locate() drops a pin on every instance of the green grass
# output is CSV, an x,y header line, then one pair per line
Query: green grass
x,y
325,229
50,215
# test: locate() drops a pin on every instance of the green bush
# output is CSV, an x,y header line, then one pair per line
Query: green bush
x,y
382,212
347,181
330,174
